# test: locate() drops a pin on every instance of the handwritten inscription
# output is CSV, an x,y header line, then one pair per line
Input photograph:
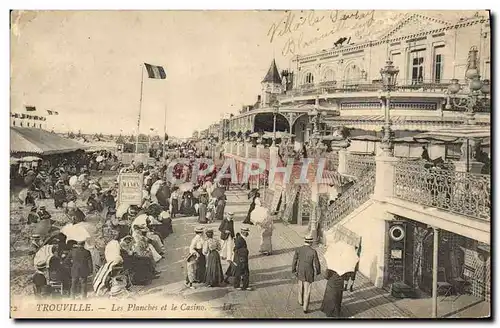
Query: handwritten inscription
x,y
293,25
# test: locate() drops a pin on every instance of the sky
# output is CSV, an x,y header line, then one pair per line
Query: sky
x,y
87,65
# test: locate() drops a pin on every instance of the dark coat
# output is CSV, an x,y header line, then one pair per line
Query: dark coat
x,y
241,260
81,262
226,225
239,242
332,299
305,261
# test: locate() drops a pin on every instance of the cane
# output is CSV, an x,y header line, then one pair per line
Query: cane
x,y
294,283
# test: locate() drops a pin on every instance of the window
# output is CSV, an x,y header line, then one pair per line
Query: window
x,y
14,123
28,124
417,67
438,64
309,78
328,76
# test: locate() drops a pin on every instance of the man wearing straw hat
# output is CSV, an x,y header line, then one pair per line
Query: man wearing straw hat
x,y
305,265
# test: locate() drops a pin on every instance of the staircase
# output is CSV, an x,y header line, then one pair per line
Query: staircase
x,y
358,194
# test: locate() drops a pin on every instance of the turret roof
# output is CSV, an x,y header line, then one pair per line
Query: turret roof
x,y
272,76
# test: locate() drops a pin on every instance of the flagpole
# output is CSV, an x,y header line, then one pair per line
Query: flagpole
x,y
140,108
165,133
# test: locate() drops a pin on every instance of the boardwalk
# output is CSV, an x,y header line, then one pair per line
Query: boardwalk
x,y
275,293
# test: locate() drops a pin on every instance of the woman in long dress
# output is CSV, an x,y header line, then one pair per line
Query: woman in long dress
x,y
332,300
174,203
214,275
265,224
255,198
187,207
219,208
202,207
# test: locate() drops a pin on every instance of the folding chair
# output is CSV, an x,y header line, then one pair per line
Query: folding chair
x,y
443,285
462,284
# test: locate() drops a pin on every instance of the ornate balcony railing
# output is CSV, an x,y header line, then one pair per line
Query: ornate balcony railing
x,y
354,197
358,164
411,85
462,193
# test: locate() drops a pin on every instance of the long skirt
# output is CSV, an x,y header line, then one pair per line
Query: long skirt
x,y
214,275
187,207
227,248
141,269
202,209
219,211
332,299
266,240
201,266
175,207
247,219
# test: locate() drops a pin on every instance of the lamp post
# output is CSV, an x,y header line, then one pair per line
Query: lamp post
x,y
389,75
276,109
478,90
316,117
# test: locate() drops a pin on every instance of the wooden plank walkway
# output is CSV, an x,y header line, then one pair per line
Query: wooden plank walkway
x,y
274,293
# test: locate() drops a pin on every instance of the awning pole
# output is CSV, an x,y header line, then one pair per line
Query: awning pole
x,y
435,269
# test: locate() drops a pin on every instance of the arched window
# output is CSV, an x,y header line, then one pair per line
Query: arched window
x,y
352,73
21,124
14,123
309,78
28,124
328,75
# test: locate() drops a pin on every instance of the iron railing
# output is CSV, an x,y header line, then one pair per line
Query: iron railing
x,y
463,193
358,164
410,85
358,194
332,161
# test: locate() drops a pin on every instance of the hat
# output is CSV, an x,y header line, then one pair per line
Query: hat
x,y
244,229
230,214
42,207
198,229
41,266
209,230
33,208
308,239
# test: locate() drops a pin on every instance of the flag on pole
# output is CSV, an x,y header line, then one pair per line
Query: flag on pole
x,y
155,72
52,112
30,108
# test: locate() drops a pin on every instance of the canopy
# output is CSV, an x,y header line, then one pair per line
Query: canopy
x,y
279,135
455,134
39,141
366,138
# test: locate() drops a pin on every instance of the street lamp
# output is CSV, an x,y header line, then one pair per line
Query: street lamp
x,y
477,88
389,75
316,118
276,109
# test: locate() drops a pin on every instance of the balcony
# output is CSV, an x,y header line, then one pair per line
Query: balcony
x,y
357,165
462,193
344,86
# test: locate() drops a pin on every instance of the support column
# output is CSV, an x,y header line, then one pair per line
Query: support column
x,y
384,176
435,266
247,149
314,220
342,169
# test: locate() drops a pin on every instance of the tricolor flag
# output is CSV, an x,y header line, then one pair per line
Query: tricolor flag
x,y
51,112
30,108
155,72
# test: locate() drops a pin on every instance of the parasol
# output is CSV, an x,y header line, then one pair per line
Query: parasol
x,y
156,187
122,209
218,192
99,159
197,193
30,159
258,215
14,161
75,232
187,186
141,220
252,193
341,258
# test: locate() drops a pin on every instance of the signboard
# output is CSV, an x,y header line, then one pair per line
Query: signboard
x,y
130,188
127,158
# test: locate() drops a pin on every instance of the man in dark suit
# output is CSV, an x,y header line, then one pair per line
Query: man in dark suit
x,y
80,260
241,269
305,265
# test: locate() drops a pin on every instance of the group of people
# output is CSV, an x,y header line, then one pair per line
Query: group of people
x,y
206,253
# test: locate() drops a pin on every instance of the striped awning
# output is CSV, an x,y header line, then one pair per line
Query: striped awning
x,y
39,141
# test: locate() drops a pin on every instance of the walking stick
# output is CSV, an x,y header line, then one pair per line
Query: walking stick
x,y
294,282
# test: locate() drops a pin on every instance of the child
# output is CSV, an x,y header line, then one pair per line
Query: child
x,y
81,268
40,281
